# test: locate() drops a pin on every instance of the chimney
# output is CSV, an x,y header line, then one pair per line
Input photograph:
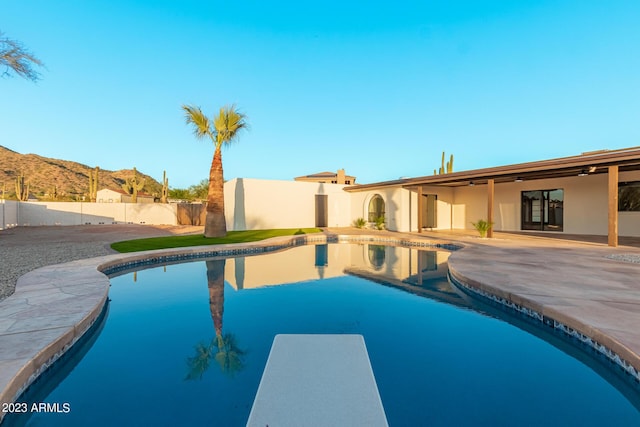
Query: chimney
x,y
341,176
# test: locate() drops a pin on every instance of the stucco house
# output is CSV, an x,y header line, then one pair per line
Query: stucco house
x,y
339,177
107,195
594,193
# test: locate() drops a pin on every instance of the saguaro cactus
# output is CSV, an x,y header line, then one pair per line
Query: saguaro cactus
x,y
445,168
165,188
93,184
22,191
132,186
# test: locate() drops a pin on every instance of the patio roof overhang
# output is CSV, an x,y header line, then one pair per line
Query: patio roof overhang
x,y
609,162
590,163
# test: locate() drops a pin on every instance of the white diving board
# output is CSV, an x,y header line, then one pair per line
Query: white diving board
x,y
318,380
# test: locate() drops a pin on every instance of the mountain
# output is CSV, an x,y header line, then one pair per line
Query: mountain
x,y
69,179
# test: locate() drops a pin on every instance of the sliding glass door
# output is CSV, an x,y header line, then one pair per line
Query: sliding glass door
x,y
542,210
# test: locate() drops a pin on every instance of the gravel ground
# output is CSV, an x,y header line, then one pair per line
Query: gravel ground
x,y
23,249
635,258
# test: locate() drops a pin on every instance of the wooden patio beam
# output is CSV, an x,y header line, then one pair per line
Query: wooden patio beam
x,y
613,206
420,208
490,195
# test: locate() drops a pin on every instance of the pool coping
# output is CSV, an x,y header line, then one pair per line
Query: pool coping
x,y
590,336
54,306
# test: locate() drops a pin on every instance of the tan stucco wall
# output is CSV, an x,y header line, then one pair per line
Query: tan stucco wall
x,y
585,204
469,205
400,263
629,222
252,204
398,213
291,266
108,196
8,214
444,206
299,265
77,213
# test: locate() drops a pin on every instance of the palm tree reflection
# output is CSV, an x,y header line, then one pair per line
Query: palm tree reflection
x,y
223,348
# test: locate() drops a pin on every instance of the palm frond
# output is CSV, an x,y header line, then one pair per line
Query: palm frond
x,y
227,124
229,356
195,116
199,364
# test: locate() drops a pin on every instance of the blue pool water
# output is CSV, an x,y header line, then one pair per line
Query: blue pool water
x,y
186,344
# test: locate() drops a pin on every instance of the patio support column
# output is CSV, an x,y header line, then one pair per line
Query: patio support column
x,y
613,206
490,192
420,267
420,208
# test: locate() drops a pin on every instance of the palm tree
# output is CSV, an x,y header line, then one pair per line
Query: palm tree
x,y
223,348
199,363
215,283
224,131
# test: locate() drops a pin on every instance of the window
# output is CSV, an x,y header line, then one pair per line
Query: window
x,y
629,196
543,210
376,255
376,208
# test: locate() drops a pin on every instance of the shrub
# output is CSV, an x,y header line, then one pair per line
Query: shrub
x,y
359,223
482,226
380,223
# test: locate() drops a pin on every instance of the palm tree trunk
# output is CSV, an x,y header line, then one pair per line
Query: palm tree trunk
x,y
215,282
215,224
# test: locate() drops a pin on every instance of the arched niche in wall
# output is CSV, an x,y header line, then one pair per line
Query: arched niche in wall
x,y
375,208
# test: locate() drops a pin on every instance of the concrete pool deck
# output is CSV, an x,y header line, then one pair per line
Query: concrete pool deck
x,y
570,281
23,249
584,289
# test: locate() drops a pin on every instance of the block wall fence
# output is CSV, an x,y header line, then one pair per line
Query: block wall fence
x,y
13,213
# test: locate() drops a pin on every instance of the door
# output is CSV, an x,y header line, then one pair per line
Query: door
x,y
430,212
543,210
322,211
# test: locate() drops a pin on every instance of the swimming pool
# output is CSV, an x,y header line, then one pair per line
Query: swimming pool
x,y
187,344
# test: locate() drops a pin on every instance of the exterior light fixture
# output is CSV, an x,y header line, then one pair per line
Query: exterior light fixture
x,y
471,184
518,179
592,169
583,172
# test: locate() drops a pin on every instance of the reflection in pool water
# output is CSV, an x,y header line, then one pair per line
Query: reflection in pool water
x,y
223,348
187,344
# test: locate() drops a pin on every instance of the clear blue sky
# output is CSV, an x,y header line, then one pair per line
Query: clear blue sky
x,y
379,88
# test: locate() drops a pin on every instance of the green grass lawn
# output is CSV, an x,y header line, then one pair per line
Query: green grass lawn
x,y
198,239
